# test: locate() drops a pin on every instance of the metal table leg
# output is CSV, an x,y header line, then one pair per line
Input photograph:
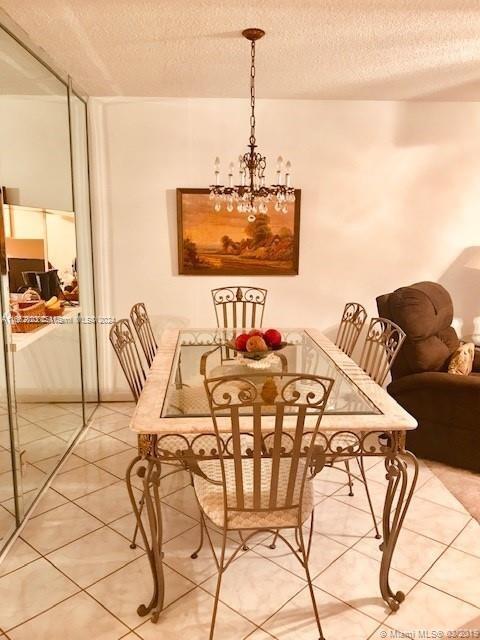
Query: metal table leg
x,y
400,488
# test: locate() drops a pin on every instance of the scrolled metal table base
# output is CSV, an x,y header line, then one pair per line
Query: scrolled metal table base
x,y
187,452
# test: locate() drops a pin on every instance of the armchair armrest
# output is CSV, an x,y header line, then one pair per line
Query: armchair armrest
x,y
438,381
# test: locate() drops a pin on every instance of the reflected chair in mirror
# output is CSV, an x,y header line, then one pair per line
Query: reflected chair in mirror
x,y
239,307
351,325
142,325
382,344
261,479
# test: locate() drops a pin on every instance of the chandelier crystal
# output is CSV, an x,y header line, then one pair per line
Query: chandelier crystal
x,y
251,195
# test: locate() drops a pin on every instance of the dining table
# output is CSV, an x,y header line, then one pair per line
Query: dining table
x,y
175,430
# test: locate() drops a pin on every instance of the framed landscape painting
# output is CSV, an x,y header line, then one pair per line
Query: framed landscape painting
x,y
225,243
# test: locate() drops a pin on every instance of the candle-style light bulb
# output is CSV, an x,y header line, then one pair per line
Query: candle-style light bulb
x,y
288,169
231,167
217,169
279,169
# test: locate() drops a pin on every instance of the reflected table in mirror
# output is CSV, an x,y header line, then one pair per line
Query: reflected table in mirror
x,y
175,429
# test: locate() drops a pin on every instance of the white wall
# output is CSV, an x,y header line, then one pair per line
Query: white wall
x,y
390,196
35,150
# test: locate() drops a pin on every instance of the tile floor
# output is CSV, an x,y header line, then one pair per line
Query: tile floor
x,y
72,574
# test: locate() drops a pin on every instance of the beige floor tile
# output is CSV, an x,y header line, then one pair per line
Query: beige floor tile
x,y
190,617
296,621
127,408
457,573
89,434
174,523
436,491
20,554
110,422
40,411
44,448
72,462
413,555
98,448
32,478
5,461
68,436
31,590
434,520
179,549
247,587
123,591
49,500
184,500
78,482
57,527
323,552
359,498
62,423
259,634
7,522
126,435
93,556
340,521
428,608
354,577
118,464
77,618
110,503
101,411
171,483
328,481
469,539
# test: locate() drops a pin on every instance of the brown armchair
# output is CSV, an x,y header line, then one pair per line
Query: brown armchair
x,y
446,406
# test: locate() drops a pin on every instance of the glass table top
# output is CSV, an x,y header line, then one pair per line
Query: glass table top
x,y
186,394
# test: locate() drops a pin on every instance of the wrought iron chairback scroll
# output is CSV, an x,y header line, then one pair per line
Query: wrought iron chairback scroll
x,y
141,323
351,325
382,344
239,307
270,464
123,342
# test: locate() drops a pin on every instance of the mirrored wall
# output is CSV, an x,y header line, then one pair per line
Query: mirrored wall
x,y
48,369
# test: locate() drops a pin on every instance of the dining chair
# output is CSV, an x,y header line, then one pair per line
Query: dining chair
x,y
141,324
125,347
351,325
261,479
239,307
382,344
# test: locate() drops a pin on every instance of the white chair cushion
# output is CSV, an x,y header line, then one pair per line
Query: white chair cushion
x,y
210,496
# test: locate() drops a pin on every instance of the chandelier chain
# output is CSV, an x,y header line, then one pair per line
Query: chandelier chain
x,y
252,95
251,195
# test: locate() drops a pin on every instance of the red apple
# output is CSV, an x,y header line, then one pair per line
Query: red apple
x,y
241,342
273,338
255,332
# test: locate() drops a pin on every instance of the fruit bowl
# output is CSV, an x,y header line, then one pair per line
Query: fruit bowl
x,y
257,345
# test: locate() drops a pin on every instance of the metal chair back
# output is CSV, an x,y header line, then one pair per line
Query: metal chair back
x,y
382,344
270,462
239,307
144,331
351,325
124,345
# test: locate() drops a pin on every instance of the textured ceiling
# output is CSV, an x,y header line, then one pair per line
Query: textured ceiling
x,y
331,49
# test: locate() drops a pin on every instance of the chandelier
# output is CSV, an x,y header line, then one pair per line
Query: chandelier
x,y
252,195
